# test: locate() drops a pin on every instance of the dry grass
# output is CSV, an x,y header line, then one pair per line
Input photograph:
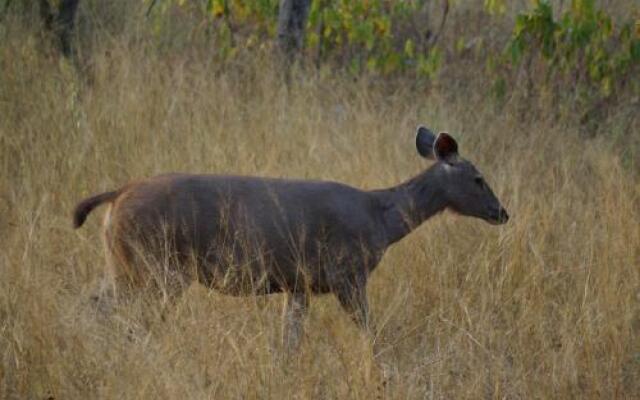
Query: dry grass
x,y
547,306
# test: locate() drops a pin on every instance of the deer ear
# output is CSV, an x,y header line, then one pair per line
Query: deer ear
x,y
445,148
424,142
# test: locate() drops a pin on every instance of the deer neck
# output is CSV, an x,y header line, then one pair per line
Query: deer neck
x,y
408,205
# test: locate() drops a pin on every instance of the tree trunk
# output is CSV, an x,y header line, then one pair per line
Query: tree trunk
x,y
66,21
46,14
62,23
292,20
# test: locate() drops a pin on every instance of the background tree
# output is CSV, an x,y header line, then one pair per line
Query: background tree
x,y
60,23
292,20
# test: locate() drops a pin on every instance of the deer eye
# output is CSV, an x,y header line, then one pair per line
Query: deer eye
x,y
479,181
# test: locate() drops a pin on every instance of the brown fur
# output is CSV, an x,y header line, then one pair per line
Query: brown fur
x,y
251,236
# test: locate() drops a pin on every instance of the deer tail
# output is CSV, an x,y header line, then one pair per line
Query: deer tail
x,y
87,205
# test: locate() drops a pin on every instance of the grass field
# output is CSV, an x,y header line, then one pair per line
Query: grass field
x,y
546,306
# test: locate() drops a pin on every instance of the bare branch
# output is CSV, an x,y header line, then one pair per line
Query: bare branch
x,y
445,12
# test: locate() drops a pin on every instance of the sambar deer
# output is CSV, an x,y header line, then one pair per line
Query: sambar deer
x,y
251,236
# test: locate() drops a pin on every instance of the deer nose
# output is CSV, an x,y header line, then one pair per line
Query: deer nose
x,y
503,216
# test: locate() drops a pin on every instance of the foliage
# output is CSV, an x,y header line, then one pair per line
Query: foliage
x,y
377,36
364,34
575,55
581,49
230,25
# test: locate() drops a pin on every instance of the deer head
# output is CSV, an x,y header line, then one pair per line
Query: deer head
x,y
463,187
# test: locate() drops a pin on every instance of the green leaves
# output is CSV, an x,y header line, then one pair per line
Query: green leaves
x,y
495,6
581,48
359,33
429,65
377,36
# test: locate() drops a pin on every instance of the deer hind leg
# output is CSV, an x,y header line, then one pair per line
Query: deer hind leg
x,y
103,296
120,275
159,276
294,310
113,287
131,278
353,299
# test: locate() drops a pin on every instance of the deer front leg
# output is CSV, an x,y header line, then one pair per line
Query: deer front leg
x,y
353,299
293,313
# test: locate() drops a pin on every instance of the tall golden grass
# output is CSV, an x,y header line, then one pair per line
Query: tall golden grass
x,y
547,306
